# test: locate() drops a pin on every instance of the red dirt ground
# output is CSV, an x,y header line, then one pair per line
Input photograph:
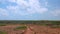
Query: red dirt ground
x,y
31,29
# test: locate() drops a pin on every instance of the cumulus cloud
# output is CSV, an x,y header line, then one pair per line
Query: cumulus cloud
x,y
25,7
56,12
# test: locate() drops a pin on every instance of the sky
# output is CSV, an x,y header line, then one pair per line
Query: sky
x,y
29,9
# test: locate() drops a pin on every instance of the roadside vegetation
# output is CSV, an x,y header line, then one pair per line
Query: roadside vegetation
x,y
20,28
2,32
2,24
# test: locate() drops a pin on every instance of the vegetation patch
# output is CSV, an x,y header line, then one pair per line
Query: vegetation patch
x,y
2,32
2,24
55,26
20,28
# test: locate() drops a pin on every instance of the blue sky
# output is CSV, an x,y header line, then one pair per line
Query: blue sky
x,y
29,9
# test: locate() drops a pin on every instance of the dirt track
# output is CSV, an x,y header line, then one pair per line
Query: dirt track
x,y
35,28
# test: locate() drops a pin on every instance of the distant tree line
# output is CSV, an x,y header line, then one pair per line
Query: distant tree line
x,y
31,22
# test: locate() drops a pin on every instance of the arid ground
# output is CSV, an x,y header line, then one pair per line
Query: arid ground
x,y
31,29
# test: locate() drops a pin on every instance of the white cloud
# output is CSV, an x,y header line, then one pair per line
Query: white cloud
x,y
24,7
3,12
56,12
46,3
11,0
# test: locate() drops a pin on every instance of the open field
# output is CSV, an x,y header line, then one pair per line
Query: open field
x,y
30,28
10,29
